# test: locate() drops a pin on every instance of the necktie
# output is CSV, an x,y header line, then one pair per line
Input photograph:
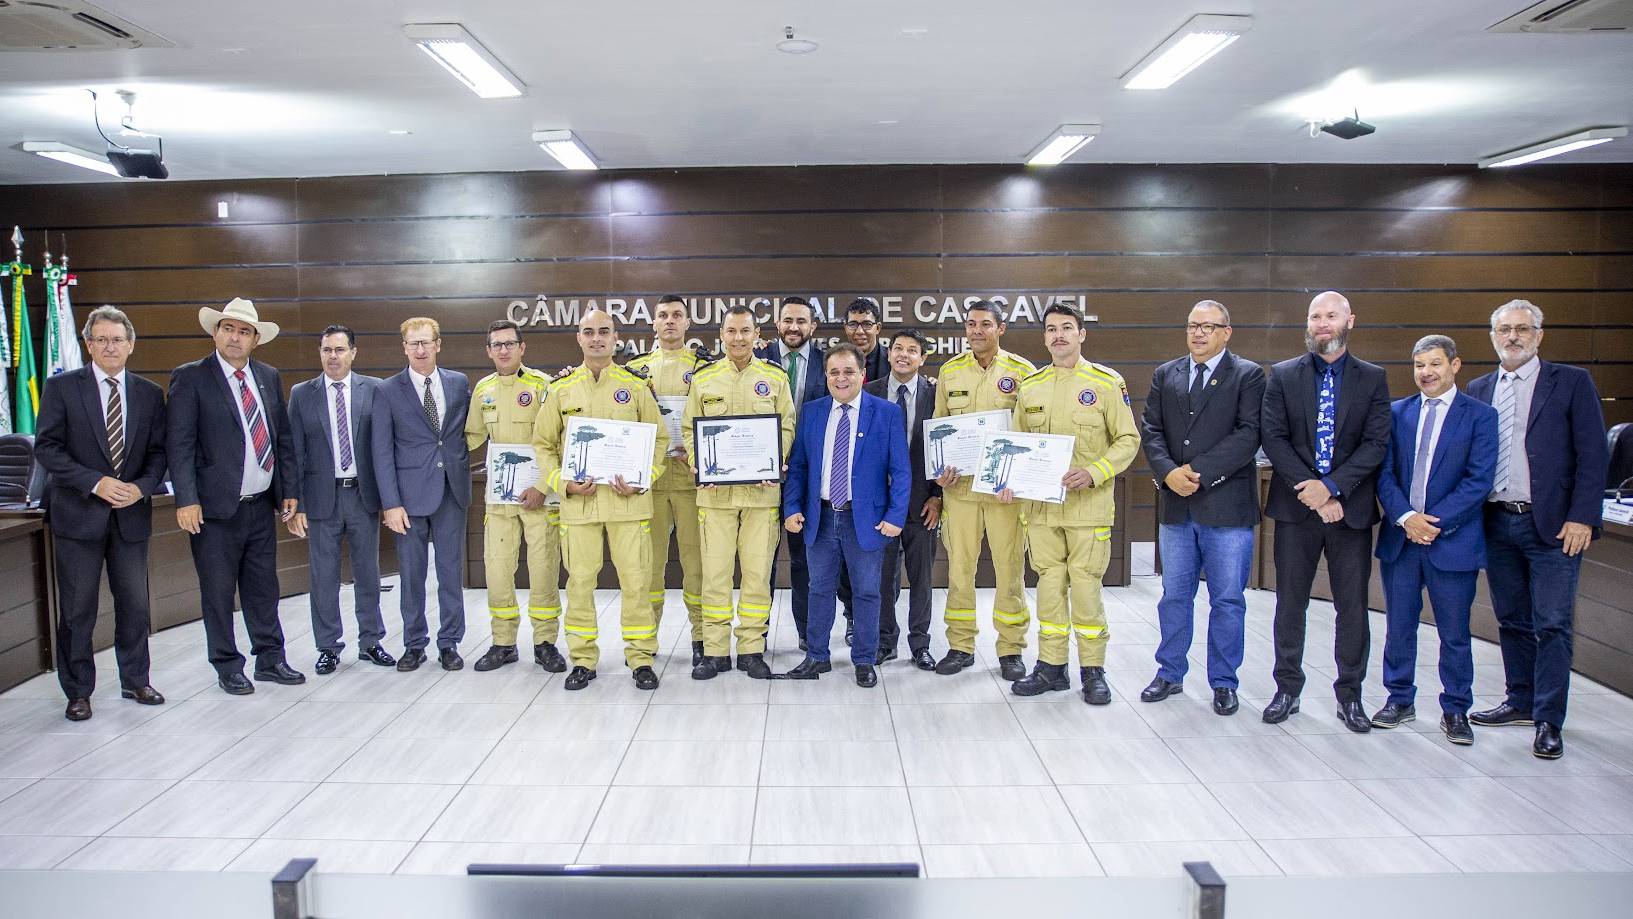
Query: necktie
x,y
259,437
901,400
1325,403
839,470
116,427
343,430
1196,385
430,403
791,364
1420,466
1505,431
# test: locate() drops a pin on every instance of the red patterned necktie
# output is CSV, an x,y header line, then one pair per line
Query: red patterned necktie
x,y
257,424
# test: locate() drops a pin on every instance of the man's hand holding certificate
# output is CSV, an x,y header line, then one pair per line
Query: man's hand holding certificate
x,y
1031,467
952,445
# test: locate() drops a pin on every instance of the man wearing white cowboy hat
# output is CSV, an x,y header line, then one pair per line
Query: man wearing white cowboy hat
x,y
231,464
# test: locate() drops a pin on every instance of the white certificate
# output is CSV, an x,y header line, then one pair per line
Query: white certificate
x,y
596,449
1030,465
673,408
512,469
955,441
737,449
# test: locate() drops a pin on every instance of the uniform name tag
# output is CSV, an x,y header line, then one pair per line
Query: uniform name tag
x,y
958,392
1033,408
571,411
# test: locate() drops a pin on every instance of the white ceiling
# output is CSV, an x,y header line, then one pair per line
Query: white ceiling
x,y
312,87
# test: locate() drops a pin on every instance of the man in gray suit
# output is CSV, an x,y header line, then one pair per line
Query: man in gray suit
x,y
424,475
330,419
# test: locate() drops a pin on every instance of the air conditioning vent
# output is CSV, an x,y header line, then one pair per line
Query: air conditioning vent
x,y
1571,17
69,25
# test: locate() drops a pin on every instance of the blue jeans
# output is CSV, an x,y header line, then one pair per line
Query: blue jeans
x,y
1225,555
1533,593
1451,593
836,542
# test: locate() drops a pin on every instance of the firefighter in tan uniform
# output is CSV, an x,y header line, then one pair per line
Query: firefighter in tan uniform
x,y
985,378
503,406
669,367
738,523
618,512
1070,543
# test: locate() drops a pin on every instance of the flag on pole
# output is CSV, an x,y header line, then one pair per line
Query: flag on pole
x,y
61,347
5,358
26,404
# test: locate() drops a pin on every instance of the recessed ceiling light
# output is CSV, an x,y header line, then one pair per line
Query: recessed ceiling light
x,y
399,131
792,45
1200,38
566,148
67,153
1065,141
889,121
1548,148
462,55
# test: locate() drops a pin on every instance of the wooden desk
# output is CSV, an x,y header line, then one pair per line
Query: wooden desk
x,y
25,610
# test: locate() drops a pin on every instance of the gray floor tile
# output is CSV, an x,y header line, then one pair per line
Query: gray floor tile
x,y
521,682
1112,762
833,816
280,759
577,722
844,763
835,855
703,722
1247,759
972,762
335,856
1459,807
959,816
570,762
75,807
1587,804
230,716
1166,859
1505,854
35,756
675,816
1057,860
452,857
214,809
830,722
475,720
365,812
629,854
523,814
111,854
148,756
1077,721
1388,755
1149,813
1352,856
963,721
332,719
414,760
1305,810
33,853
690,762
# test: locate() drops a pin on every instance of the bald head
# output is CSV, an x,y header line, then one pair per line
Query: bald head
x,y
597,336
1327,325
1330,299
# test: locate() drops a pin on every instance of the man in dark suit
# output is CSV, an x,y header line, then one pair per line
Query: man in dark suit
x,y
1201,433
232,465
848,477
863,322
101,439
915,395
1325,426
330,418
1433,486
1543,510
796,352
424,474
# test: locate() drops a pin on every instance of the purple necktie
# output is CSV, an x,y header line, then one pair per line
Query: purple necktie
x,y
839,471
342,428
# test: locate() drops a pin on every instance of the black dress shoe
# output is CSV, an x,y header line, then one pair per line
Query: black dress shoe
x,y
886,655
924,660
1354,716
280,673
547,657
578,679
1457,730
1392,715
866,676
645,678
1011,668
235,684
1159,689
1548,745
809,669
754,665
1281,706
327,662
697,653
850,632
495,657
1501,715
954,662
144,695
411,660
377,656
78,710
450,659
1224,701
1095,689
1043,678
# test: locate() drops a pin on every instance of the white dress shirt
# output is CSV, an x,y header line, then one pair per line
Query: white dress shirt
x,y
347,387
1519,465
1445,400
256,479
911,407
102,391
436,392
828,442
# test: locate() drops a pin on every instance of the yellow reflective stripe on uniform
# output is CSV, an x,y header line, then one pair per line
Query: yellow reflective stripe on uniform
x,y
543,612
1090,631
655,594
635,633
1104,467
504,612
587,631
959,615
1046,627
1108,378
1032,381
686,596
717,612
1102,533
1011,618
753,611
554,480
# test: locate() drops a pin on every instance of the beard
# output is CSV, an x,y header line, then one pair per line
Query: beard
x,y
799,339
1337,343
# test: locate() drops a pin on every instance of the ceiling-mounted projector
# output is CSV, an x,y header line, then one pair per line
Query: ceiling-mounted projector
x,y
145,162
1348,128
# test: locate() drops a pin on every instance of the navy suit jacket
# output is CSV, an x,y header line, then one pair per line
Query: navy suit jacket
x,y
1460,472
311,421
71,444
205,443
881,475
1564,445
1218,438
816,380
412,463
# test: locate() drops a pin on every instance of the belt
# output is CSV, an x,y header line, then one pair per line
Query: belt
x,y
1512,507
245,499
836,507
346,483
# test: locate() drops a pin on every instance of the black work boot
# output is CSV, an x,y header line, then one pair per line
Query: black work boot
x,y
711,667
1095,690
1043,678
754,665
546,656
496,657
697,653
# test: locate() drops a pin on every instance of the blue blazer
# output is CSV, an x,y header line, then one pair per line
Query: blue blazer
x,y
412,463
1460,474
1564,445
881,476
311,420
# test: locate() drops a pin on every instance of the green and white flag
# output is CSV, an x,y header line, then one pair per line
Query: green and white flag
x,y
61,346
26,398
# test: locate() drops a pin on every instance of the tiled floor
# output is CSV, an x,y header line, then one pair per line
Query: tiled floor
x,y
375,771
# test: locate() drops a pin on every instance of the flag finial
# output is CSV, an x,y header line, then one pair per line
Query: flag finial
x,y
17,241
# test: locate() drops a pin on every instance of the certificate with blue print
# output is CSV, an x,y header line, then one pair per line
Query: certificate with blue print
x,y
597,449
954,442
1029,465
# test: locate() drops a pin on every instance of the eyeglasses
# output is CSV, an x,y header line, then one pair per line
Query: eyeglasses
x,y
1206,328
106,342
503,345
421,343
858,324
1520,330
